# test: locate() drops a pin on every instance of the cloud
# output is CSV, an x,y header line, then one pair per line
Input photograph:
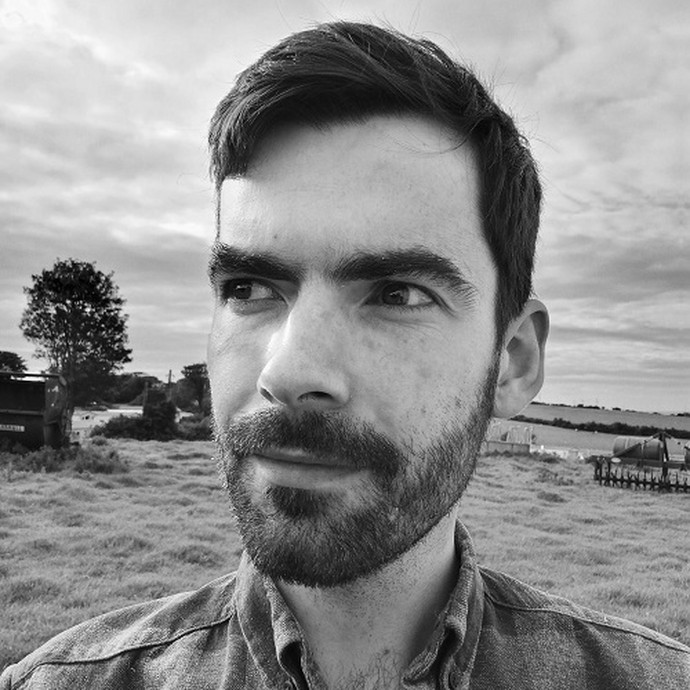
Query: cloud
x,y
614,260
102,157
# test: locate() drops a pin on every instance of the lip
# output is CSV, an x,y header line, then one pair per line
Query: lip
x,y
298,457
300,470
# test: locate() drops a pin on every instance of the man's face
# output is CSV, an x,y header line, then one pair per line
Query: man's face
x,y
352,354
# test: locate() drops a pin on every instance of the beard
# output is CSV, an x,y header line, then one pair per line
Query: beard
x,y
315,537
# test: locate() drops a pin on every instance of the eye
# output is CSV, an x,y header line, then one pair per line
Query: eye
x,y
403,295
247,290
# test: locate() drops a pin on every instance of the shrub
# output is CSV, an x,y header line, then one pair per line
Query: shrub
x,y
157,423
161,418
88,458
99,460
7,445
42,460
195,428
124,426
183,396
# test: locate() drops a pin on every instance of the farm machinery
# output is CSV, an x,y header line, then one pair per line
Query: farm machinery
x,y
33,410
643,463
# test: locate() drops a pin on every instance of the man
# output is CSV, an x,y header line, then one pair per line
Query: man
x,y
376,220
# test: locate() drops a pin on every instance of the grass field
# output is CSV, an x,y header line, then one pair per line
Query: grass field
x,y
579,415
592,442
74,546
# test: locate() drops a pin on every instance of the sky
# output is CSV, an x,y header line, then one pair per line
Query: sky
x,y
104,108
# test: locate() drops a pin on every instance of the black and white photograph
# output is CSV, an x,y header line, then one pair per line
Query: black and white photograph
x,y
344,344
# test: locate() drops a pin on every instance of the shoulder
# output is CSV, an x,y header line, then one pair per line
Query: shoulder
x,y
518,616
510,594
158,623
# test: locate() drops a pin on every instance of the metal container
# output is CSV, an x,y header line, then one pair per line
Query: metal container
x,y
638,448
33,409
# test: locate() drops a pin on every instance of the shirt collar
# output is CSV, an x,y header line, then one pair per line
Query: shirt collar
x,y
453,645
275,639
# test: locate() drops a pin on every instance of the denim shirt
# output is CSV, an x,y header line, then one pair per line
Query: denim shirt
x,y
237,632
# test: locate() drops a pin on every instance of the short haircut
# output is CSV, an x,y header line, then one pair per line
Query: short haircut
x,y
346,72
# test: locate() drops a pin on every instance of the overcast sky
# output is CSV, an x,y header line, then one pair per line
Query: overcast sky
x,y
104,110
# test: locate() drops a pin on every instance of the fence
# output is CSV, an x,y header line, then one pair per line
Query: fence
x,y
640,479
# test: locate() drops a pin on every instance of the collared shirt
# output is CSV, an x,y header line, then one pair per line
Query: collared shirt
x,y
237,632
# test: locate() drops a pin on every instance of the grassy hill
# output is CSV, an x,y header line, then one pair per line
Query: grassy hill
x,y
588,442
580,415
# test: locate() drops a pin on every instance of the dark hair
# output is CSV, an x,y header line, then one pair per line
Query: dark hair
x,y
344,71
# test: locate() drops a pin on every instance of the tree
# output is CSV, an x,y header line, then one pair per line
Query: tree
x,y
129,388
196,376
74,316
183,396
10,361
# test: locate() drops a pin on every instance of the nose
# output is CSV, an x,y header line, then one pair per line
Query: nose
x,y
305,369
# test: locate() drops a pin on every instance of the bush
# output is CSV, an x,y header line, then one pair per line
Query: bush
x,y
42,460
99,460
195,428
160,416
183,396
157,423
124,426
7,445
88,458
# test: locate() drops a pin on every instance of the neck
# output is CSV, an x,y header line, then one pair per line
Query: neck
x,y
371,629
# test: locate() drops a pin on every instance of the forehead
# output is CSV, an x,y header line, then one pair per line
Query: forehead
x,y
389,183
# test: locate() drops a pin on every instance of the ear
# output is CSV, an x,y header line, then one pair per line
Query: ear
x,y
521,372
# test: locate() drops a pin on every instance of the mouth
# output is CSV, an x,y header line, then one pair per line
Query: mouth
x,y
300,469
299,457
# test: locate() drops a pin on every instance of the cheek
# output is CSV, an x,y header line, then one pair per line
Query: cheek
x,y
420,384
405,379
234,364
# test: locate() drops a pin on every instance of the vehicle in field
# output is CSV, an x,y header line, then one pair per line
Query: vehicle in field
x,y
33,410
643,462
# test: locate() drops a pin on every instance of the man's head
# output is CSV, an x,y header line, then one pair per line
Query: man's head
x,y
358,347
347,72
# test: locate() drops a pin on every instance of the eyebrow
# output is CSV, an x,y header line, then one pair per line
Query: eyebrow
x,y
417,262
229,260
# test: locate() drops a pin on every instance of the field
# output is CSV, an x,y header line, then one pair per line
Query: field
x,y
591,442
588,414
73,546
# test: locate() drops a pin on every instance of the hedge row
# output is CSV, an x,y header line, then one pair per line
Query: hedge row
x,y
618,428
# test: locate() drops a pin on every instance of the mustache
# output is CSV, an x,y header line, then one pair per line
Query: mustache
x,y
327,435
